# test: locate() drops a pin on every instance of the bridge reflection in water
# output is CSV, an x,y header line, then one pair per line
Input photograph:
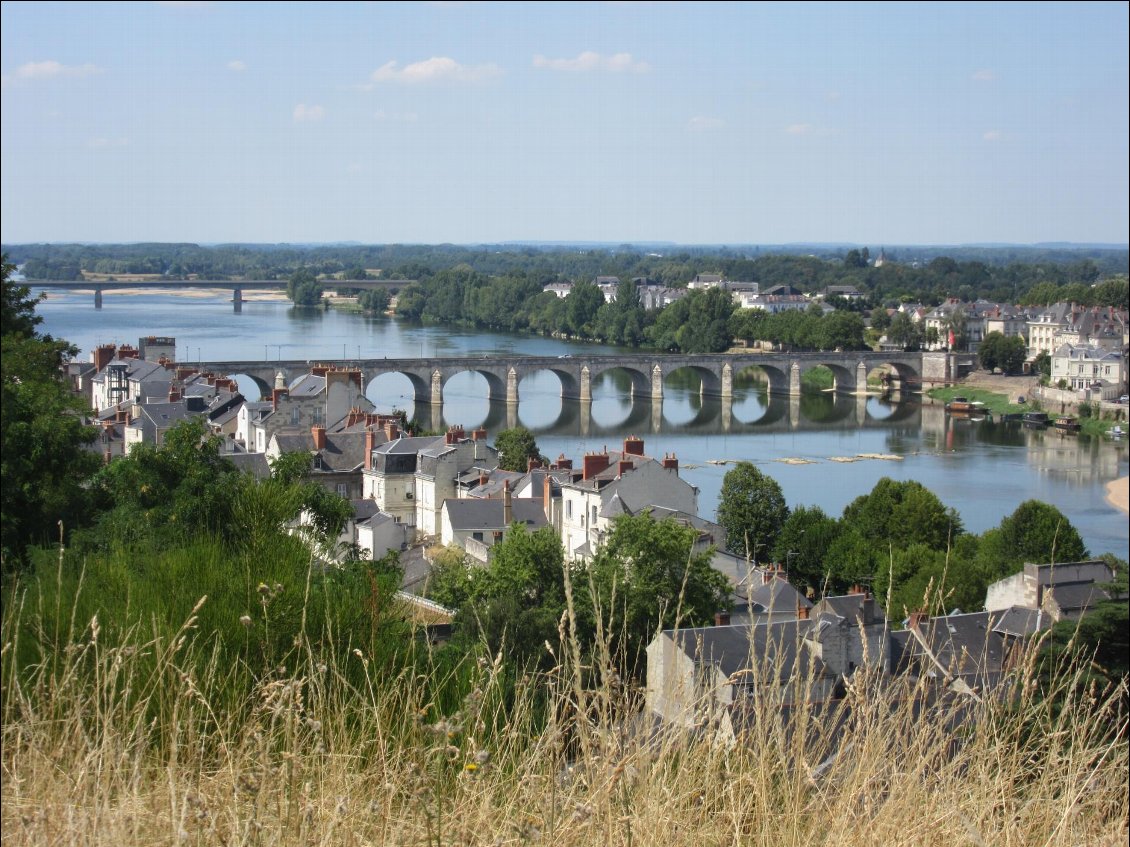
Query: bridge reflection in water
x,y
710,415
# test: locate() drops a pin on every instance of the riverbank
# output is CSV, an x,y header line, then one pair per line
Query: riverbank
x,y
1118,494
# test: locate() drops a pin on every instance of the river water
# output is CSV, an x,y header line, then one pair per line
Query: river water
x,y
823,450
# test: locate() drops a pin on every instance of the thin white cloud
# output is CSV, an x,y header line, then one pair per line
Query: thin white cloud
x,y
590,61
993,135
237,65
106,143
799,129
396,117
52,69
984,75
435,69
302,112
703,123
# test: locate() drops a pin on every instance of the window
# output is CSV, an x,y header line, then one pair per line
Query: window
x,y
295,414
343,489
478,536
594,515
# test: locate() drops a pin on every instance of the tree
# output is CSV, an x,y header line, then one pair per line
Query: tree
x,y
516,447
647,576
1036,532
904,332
303,288
802,544
45,463
899,514
751,509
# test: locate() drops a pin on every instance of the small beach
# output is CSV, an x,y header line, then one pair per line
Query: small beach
x,y
1118,494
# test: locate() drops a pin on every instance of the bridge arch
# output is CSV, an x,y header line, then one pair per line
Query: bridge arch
x,y
640,380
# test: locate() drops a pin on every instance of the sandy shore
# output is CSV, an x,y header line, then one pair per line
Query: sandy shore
x,y
1118,494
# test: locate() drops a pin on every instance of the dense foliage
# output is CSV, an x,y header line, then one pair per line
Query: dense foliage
x,y
45,459
516,448
752,511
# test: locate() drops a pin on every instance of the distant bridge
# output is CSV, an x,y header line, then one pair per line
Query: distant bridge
x,y
647,371
237,286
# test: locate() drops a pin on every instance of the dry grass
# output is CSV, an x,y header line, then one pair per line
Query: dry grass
x,y
116,744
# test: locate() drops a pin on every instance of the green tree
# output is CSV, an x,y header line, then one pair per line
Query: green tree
x,y
44,452
1035,532
515,602
898,514
303,288
516,446
802,544
645,577
582,305
374,300
751,509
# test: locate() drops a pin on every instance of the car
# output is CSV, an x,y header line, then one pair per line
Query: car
x,y
1021,399
1124,399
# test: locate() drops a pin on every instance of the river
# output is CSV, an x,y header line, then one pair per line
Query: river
x,y
823,450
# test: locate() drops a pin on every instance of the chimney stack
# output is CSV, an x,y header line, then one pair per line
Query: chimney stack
x,y
174,393
670,462
532,464
103,354
721,618
801,612
563,464
370,443
507,515
623,466
319,433
547,497
479,434
633,445
917,618
392,431
276,395
594,463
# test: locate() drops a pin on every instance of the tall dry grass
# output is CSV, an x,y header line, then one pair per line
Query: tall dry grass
x,y
124,743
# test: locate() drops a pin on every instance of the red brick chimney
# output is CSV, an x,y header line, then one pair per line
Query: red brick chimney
x,y
484,477
392,431
917,618
370,443
479,434
721,618
102,356
454,435
633,445
319,433
623,466
319,370
856,589
594,463
128,352
532,464
563,464
670,462
801,612
174,393
276,395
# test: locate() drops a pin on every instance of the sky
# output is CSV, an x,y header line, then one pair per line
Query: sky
x,y
695,123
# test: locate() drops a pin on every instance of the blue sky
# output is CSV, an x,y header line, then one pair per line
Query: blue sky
x,y
689,122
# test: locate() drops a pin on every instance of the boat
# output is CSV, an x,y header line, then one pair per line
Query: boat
x,y
1035,420
964,406
1066,423
1012,417
1115,431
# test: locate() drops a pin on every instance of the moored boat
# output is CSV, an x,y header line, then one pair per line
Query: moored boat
x,y
1036,420
1066,423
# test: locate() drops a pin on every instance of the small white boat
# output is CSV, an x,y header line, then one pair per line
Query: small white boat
x,y
1115,431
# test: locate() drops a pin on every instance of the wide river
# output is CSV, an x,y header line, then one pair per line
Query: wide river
x,y
824,451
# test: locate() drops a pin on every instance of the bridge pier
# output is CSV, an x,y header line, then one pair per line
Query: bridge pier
x,y
437,389
861,407
237,300
97,298
794,379
585,393
657,387
727,382
861,379
512,387
727,412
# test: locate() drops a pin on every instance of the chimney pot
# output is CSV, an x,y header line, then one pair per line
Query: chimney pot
x,y
801,612
721,618
319,433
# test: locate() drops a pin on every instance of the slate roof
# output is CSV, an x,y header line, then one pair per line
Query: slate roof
x,y
1076,596
410,445
1019,622
255,464
965,645
307,385
850,607
774,647
777,595
477,515
344,451
364,509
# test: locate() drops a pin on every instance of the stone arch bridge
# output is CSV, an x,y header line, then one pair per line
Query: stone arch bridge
x,y
647,371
